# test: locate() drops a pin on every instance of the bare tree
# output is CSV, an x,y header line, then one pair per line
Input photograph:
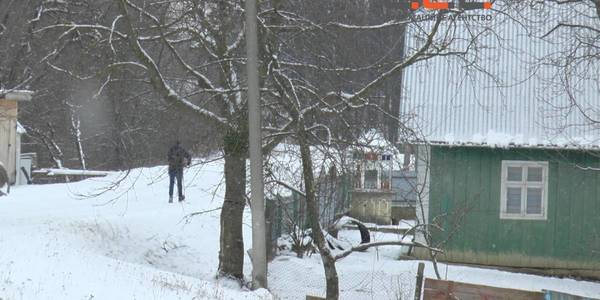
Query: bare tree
x,y
16,48
215,75
189,55
571,71
314,107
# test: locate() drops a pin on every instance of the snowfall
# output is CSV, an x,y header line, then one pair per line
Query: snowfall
x,y
116,237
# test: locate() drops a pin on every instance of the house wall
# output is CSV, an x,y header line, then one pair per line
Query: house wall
x,y
18,159
465,185
372,206
8,149
8,137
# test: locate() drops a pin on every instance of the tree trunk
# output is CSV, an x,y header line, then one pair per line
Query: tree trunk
x,y
331,276
76,132
231,253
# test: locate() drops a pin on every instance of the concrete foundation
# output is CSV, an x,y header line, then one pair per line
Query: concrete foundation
x,y
519,262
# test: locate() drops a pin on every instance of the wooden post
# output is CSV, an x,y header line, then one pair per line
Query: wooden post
x,y
419,286
269,219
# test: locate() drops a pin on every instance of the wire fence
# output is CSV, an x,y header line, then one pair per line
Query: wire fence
x,y
361,277
296,269
288,214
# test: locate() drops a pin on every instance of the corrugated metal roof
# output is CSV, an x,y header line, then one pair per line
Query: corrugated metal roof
x,y
518,101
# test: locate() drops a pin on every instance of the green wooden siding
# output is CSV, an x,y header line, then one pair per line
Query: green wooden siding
x,y
464,200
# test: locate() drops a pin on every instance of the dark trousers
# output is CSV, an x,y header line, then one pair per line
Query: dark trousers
x,y
176,174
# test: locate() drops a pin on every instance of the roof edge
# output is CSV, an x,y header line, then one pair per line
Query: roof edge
x,y
16,95
508,146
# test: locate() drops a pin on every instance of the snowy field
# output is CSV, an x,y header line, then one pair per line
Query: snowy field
x,y
129,243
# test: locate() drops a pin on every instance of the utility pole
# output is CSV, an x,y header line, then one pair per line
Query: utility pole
x,y
259,252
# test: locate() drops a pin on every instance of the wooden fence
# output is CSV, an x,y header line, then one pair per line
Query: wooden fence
x,y
450,290
552,295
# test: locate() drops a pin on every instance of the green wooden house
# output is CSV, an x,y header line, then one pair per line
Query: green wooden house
x,y
516,206
509,174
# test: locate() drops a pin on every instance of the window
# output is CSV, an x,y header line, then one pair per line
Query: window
x,y
370,179
524,192
372,171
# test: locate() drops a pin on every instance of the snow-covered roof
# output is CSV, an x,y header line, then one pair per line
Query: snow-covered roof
x,y
21,129
285,164
520,101
18,95
373,140
74,172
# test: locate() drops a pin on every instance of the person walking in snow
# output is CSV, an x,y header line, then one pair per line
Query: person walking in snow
x,y
178,159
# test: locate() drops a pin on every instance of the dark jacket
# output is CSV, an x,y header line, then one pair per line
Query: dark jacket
x,y
178,157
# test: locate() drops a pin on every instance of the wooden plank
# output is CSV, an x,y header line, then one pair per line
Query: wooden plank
x,y
472,231
441,289
553,208
446,168
430,294
493,222
8,109
585,219
419,285
578,249
553,295
563,215
437,202
454,202
486,208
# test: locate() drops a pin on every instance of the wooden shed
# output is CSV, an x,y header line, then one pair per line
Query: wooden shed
x,y
11,131
509,173
519,206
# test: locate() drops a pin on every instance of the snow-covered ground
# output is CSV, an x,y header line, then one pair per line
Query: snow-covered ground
x,y
377,274
129,243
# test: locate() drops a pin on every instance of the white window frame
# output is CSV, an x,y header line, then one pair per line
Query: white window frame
x,y
524,184
377,183
379,166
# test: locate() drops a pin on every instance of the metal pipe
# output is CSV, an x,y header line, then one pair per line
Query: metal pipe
x,y
259,253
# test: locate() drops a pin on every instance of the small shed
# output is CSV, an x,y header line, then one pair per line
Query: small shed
x,y
11,131
382,187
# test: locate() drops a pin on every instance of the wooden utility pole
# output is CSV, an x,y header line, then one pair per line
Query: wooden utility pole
x,y
419,286
259,252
